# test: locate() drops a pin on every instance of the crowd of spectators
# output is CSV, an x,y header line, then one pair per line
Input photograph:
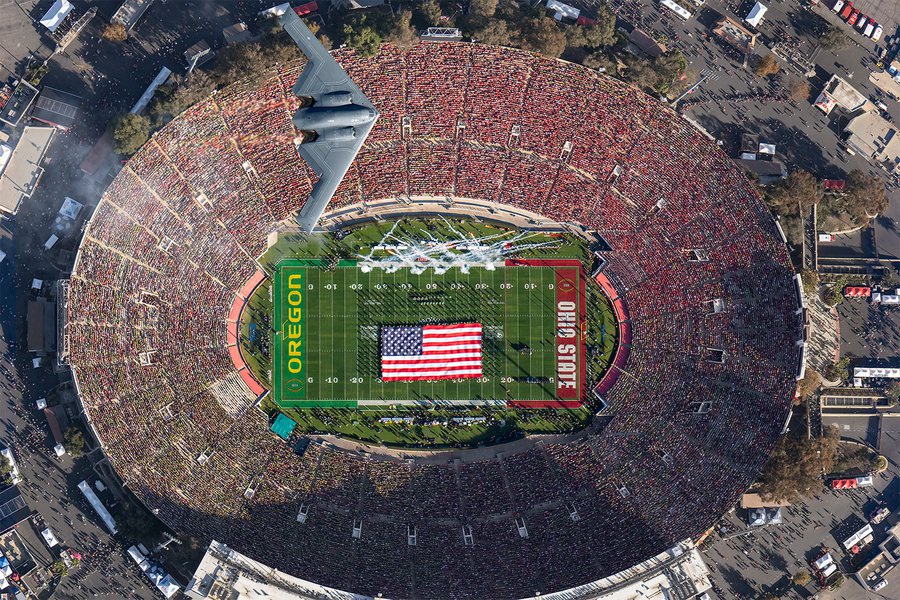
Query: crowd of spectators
x,y
695,407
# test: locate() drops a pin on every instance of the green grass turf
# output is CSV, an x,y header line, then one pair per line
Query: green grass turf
x,y
344,309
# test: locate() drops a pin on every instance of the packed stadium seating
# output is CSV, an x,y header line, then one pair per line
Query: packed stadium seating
x,y
175,237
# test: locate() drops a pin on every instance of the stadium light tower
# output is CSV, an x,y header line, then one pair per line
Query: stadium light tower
x,y
334,119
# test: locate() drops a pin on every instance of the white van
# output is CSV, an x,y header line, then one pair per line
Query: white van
x,y
51,241
838,6
876,35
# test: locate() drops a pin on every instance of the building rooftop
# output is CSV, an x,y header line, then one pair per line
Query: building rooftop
x,y
873,137
56,107
23,171
845,95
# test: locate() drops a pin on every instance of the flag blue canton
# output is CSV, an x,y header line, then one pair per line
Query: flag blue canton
x,y
401,340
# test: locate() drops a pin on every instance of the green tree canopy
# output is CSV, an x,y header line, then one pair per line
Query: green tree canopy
x,y
892,392
403,33
840,370
865,195
794,471
483,8
834,38
130,132
602,33
365,40
73,441
544,36
497,33
428,13
5,470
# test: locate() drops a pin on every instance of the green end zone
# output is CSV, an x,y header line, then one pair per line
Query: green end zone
x,y
326,347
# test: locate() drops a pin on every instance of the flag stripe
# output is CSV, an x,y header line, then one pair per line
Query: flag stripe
x,y
430,352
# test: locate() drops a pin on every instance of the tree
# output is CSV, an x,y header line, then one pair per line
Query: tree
x,y
810,280
892,392
796,466
641,73
801,578
838,371
59,569
602,33
114,32
73,442
496,33
364,40
798,90
766,66
429,13
599,60
130,132
238,61
483,8
800,191
403,33
182,91
5,470
670,68
834,295
865,196
834,38
544,36
809,383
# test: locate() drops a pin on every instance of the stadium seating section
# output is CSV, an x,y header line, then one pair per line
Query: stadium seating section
x,y
175,237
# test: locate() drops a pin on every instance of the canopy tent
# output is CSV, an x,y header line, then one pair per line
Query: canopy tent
x,y
5,155
756,14
56,15
49,538
98,507
857,291
825,103
563,11
70,208
283,426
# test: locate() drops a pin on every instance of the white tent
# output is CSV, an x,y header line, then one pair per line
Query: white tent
x,y
5,155
49,538
70,209
756,14
563,11
56,15
767,149
95,503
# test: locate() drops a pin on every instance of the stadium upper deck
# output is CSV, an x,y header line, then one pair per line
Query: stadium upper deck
x,y
696,261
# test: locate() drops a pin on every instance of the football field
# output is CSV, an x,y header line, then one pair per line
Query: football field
x,y
327,346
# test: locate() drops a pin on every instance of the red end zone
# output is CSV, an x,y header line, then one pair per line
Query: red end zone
x,y
571,363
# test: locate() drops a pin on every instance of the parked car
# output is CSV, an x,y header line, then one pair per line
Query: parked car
x,y
848,8
869,29
861,22
851,20
876,35
838,6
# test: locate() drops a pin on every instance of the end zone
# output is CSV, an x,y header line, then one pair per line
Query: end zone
x,y
571,324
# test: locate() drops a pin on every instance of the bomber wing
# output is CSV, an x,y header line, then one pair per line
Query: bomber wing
x,y
321,74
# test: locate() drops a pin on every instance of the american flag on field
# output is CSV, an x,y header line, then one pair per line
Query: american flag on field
x,y
426,352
